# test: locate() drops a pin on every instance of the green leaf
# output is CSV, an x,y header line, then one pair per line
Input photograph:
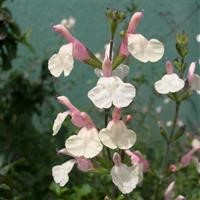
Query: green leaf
x,y
179,133
164,134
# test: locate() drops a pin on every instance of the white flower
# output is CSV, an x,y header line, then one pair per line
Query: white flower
x,y
116,135
145,50
59,121
86,143
62,61
138,171
60,172
169,83
195,143
121,71
169,192
195,84
198,37
180,197
124,178
112,90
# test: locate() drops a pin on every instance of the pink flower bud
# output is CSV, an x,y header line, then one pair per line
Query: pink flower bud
x,y
137,158
117,159
107,67
191,70
65,101
169,67
186,159
116,115
79,119
87,120
84,164
80,52
172,168
123,49
135,20
128,119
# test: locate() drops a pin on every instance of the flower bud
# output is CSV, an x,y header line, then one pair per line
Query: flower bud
x,y
84,164
169,67
135,20
117,159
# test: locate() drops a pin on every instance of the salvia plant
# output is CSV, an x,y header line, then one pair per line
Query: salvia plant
x,y
114,143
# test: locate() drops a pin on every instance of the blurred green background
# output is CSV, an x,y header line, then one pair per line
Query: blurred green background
x,y
27,93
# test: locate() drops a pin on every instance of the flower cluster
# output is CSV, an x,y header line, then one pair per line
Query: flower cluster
x,y
110,92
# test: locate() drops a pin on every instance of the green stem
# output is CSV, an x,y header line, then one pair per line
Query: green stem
x,y
166,157
106,123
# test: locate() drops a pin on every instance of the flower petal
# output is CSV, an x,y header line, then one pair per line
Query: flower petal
x,y
121,71
111,90
62,61
92,142
145,50
195,85
59,121
154,50
124,95
86,143
137,45
60,172
101,95
117,135
169,83
124,178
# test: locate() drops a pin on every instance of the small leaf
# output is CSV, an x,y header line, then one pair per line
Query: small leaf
x,y
179,133
164,134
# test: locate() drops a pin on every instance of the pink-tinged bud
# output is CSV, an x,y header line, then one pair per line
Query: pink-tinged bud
x,y
191,70
117,159
84,164
137,158
123,49
172,168
79,119
65,101
128,119
107,67
59,28
87,120
79,52
169,67
135,20
186,159
116,115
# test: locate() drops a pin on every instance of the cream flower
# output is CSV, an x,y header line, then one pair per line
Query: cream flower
x,y
112,90
169,83
59,121
195,84
62,61
116,135
145,50
121,71
60,172
86,143
123,176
